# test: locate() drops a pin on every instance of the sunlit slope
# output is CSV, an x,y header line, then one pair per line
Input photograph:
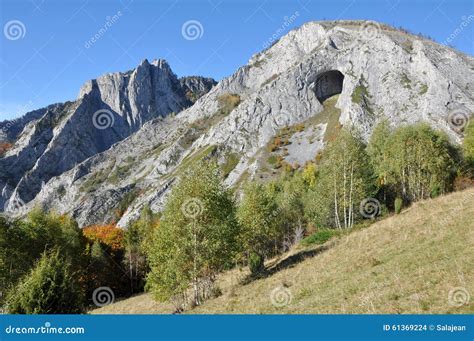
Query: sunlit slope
x,y
420,261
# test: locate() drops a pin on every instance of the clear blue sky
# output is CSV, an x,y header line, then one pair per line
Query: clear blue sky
x,y
46,61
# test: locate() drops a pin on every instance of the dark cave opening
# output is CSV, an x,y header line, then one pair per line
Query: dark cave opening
x,y
328,84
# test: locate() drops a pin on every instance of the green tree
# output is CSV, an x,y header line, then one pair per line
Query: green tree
x,y
196,238
137,239
344,180
288,194
23,242
50,288
377,151
420,162
468,144
260,227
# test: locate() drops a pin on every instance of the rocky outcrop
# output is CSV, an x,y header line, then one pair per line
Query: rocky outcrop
x,y
195,86
109,109
376,71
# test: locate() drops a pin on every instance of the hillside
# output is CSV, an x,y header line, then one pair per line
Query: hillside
x,y
157,123
420,261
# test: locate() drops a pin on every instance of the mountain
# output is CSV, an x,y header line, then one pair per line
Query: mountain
x,y
310,83
394,266
53,140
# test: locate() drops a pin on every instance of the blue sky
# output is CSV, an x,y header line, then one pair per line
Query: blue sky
x,y
46,53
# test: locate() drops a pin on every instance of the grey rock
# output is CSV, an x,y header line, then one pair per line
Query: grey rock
x,y
380,73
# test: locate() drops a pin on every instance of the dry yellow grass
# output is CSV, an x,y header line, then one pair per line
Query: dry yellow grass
x,y
421,261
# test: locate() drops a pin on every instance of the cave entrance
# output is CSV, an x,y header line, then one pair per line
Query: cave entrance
x,y
328,84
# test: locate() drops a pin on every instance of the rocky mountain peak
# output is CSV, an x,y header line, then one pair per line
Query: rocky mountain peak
x,y
50,141
321,76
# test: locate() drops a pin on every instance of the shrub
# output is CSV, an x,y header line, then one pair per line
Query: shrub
x,y
256,263
4,147
468,144
231,161
319,237
23,242
50,288
227,103
398,205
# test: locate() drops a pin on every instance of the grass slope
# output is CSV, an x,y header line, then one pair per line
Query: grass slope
x,y
407,263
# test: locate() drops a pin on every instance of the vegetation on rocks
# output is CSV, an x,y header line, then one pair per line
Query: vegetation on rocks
x,y
206,229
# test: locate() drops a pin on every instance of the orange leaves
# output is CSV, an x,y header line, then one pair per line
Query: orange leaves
x,y
109,235
4,147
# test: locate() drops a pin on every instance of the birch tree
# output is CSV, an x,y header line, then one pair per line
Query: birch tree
x,y
345,179
196,238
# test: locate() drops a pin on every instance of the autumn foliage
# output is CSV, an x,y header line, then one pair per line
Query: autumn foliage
x,y
109,235
4,147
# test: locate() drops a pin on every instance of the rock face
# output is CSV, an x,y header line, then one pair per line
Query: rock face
x,y
53,140
324,74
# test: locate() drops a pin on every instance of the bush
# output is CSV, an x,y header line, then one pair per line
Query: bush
x,y
227,103
319,237
5,147
23,242
398,205
468,144
256,263
50,288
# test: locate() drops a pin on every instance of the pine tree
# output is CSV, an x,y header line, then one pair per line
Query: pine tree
x,y
50,288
